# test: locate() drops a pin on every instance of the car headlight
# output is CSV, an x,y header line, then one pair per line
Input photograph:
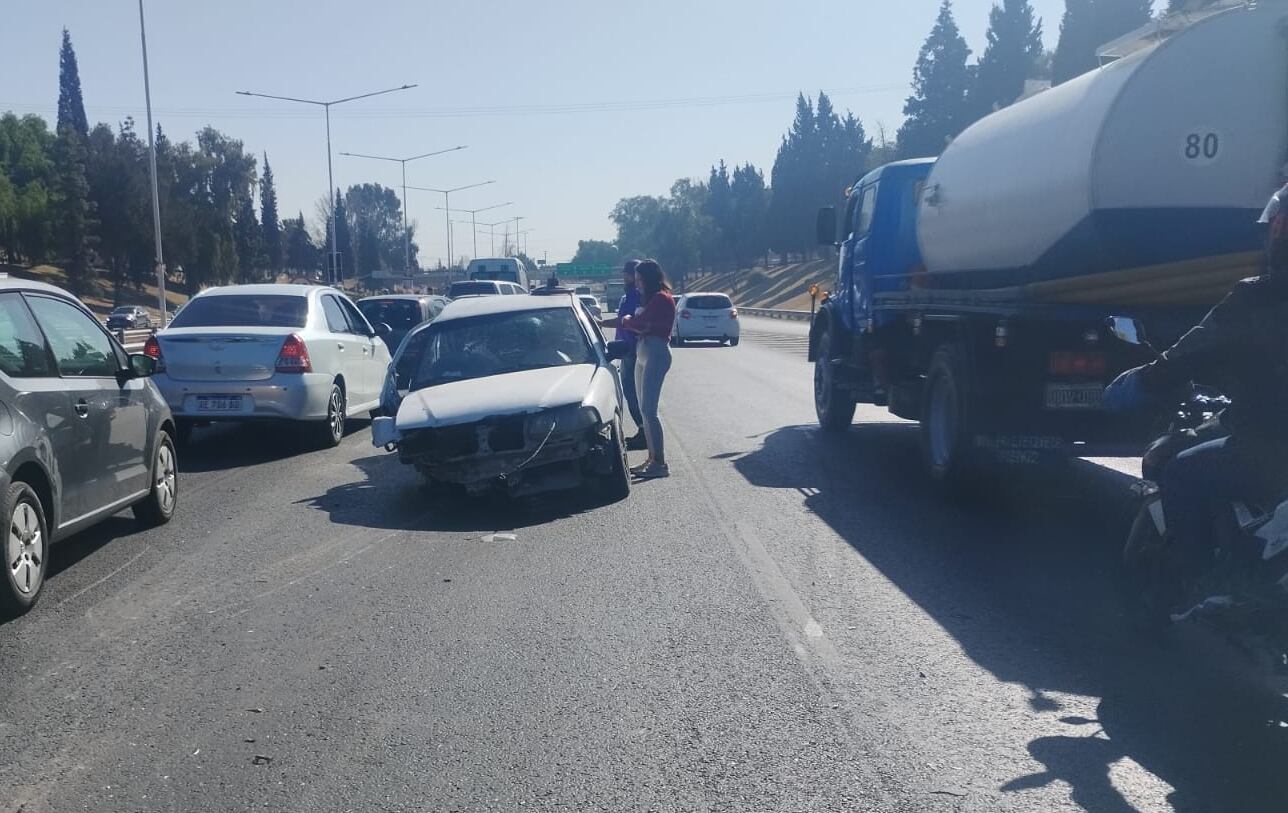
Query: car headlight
x,y
565,421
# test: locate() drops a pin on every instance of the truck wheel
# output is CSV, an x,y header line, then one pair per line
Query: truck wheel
x,y
834,407
945,417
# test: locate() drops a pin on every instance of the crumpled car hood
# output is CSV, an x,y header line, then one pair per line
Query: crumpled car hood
x,y
509,394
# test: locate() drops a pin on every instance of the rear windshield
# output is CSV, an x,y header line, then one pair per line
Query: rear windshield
x,y
244,310
124,309
459,289
397,313
708,302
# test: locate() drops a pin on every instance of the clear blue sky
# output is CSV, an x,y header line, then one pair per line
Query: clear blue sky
x,y
498,76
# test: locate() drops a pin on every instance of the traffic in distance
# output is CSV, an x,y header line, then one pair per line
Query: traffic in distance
x,y
963,489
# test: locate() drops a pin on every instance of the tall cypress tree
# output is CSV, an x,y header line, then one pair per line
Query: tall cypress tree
x,y
1089,24
71,106
74,212
937,110
343,240
790,199
270,225
1012,55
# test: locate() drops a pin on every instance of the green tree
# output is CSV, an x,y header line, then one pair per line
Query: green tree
x,y
117,187
790,201
74,215
1012,56
717,249
1089,24
71,106
302,254
247,243
374,215
270,227
937,111
26,163
596,252
750,205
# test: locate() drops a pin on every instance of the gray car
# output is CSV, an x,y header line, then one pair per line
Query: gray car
x,y
84,433
401,312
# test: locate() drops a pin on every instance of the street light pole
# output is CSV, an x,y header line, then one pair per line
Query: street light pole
x,y
447,207
472,213
404,162
330,192
152,168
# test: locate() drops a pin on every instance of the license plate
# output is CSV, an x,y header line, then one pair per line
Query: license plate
x,y
219,403
1074,396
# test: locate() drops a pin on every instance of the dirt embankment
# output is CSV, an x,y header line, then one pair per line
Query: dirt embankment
x,y
99,298
784,286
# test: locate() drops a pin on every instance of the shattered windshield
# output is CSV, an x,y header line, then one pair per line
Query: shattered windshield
x,y
496,344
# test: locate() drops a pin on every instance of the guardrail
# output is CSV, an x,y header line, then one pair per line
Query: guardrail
x,y
776,313
132,340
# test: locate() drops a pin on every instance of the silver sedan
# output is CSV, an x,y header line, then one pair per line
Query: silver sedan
x,y
254,352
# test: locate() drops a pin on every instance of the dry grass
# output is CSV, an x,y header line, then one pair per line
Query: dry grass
x,y
784,286
99,298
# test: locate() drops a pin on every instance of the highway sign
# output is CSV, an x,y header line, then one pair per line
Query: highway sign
x,y
585,270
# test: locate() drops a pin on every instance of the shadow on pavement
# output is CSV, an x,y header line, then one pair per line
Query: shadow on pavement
x,y
390,496
1042,556
230,446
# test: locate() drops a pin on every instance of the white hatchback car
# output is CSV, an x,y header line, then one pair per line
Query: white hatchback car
x,y
512,395
252,352
705,317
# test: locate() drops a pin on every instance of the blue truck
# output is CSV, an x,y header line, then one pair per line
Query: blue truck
x,y
973,290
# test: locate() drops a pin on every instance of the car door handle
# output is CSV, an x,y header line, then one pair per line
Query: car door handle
x,y
340,345
82,408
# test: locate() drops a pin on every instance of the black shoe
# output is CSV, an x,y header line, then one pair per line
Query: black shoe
x,y
637,444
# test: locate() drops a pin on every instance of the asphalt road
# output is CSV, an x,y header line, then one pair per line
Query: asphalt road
x,y
790,622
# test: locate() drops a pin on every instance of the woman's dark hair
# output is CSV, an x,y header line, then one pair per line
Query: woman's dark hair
x,y
630,266
651,278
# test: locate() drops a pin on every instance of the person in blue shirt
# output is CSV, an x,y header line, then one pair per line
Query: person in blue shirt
x,y
627,307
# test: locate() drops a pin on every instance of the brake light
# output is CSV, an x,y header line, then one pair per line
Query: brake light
x,y
733,313
686,314
1077,364
294,357
152,349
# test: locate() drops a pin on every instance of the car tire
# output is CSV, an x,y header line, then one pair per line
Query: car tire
x,y
733,342
158,507
26,549
834,407
616,485
330,431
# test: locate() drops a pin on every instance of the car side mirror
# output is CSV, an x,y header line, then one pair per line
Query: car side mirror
x,y
826,226
616,350
142,366
383,329
1127,330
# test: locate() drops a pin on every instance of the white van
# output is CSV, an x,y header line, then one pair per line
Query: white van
x,y
506,269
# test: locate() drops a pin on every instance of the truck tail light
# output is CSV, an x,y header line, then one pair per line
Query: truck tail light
x,y
1089,365
152,349
294,356
686,314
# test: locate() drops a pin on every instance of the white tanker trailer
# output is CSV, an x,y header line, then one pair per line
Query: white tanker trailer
x,y
973,290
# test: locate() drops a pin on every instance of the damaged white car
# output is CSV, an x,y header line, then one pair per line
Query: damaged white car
x,y
507,394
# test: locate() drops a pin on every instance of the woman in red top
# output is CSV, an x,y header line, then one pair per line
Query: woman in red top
x,y
653,323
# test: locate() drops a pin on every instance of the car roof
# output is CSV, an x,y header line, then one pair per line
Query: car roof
x,y
488,305
268,289
408,297
8,283
707,293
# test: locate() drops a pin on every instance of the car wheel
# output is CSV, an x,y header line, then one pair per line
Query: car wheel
x,y
331,431
834,407
158,507
945,419
616,485
26,548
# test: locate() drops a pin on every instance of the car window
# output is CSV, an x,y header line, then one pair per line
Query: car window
x,y
399,314
22,348
335,319
459,289
708,302
81,348
243,310
865,212
358,323
500,343
409,358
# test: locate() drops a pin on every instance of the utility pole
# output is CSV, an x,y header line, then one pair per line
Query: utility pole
x,y
152,167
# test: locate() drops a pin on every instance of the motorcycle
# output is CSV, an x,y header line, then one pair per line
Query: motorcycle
x,y
1239,589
